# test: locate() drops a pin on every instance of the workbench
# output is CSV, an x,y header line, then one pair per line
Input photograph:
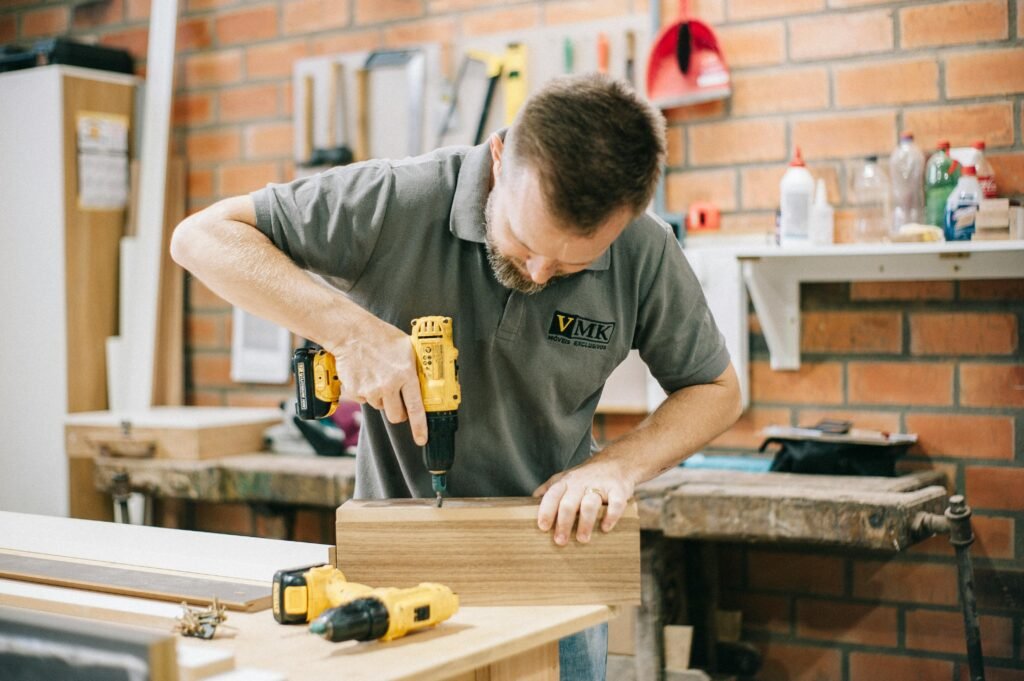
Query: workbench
x,y
683,513
478,642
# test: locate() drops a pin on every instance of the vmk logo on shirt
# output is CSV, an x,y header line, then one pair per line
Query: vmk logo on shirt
x,y
573,329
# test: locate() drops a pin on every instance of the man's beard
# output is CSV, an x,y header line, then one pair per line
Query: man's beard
x,y
504,268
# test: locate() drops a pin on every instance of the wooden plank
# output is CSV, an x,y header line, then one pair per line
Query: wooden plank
x,y
831,516
148,584
40,645
169,358
89,604
489,551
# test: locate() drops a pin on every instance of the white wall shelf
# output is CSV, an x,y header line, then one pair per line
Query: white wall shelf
x,y
773,276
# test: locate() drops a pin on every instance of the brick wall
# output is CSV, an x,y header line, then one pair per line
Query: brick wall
x,y
838,77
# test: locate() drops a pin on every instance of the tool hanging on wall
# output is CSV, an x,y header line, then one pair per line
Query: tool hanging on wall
x,y
362,115
631,57
333,154
307,120
414,63
686,66
493,68
603,50
516,86
568,55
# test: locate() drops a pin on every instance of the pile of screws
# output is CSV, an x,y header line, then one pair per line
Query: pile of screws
x,y
200,622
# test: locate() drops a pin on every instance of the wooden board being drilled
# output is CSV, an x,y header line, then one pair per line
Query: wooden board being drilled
x,y
489,551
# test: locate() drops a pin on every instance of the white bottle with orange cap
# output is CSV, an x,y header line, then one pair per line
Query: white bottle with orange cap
x,y
986,175
795,195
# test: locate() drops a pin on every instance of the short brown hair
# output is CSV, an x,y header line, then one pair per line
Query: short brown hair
x,y
595,144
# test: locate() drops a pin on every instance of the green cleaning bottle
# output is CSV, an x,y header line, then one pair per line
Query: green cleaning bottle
x,y
940,177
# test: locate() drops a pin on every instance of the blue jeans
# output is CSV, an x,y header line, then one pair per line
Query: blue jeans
x,y
584,656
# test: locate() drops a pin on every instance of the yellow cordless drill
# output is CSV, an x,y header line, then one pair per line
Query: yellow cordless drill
x,y
343,611
318,390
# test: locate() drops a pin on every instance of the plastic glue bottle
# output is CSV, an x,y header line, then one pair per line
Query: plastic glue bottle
x,y
822,217
796,191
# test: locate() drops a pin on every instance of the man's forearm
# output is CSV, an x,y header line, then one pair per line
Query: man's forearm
x,y
686,421
242,266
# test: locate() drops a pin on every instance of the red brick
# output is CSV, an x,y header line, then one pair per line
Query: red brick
x,y
138,10
258,23
375,11
839,136
852,332
962,435
499,20
224,518
1003,73
274,60
963,333
194,34
250,398
813,383
574,11
211,370
993,673
961,125
675,139
44,22
889,82
349,41
698,112
789,662
995,488
992,289
200,183
446,6
953,23
874,667
760,612
760,185
212,146
269,140
901,290
101,14
202,298
744,141
201,5
871,625
134,40
925,383
799,573
193,109
759,9
993,538
422,31
213,68
8,28
885,421
797,89
204,398
249,102
749,223
682,189
949,471
242,178
992,385
840,35
614,426
753,44
1009,169
942,631
206,332
746,432
905,582
311,16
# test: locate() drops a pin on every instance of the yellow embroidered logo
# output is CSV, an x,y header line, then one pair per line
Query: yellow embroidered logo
x,y
572,329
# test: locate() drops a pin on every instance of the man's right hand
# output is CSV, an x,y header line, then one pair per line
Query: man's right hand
x,y
379,368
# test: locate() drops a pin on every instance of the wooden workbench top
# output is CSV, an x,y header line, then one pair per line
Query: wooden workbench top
x,y
475,638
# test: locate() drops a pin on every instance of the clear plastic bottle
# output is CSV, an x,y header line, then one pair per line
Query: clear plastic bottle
x,y
986,175
907,167
962,207
871,199
941,174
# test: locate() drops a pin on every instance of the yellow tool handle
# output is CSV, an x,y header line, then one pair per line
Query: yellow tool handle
x,y
415,608
436,363
326,587
515,80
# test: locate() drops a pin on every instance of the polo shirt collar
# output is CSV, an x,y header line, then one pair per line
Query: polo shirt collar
x,y
472,187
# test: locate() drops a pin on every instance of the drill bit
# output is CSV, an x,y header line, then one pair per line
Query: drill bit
x,y
439,499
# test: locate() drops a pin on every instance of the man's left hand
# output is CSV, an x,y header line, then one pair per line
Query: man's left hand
x,y
583,490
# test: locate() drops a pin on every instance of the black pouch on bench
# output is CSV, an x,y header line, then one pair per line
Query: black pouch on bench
x,y
827,454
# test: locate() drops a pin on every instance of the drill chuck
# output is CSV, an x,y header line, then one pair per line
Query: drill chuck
x,y
439,453
365,619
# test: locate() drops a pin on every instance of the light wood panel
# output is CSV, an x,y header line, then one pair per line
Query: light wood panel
x,y
489,551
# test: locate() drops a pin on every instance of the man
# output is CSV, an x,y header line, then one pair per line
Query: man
x,y
537,244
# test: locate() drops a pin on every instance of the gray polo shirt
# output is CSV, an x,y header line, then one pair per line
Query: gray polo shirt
x,y
405,239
